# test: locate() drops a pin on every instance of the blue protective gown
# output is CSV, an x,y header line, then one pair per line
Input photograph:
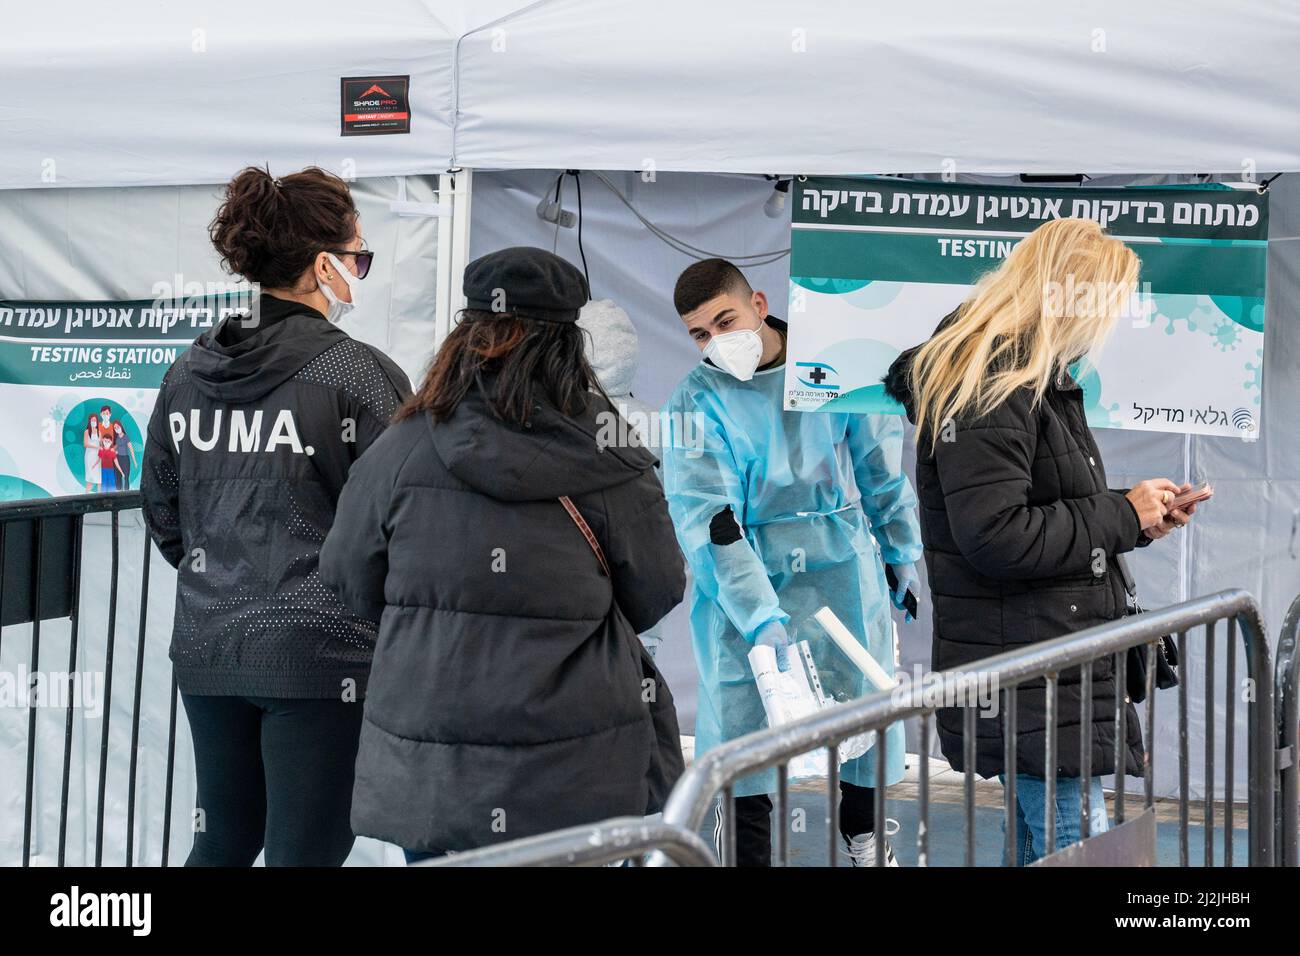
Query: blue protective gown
x,y
823,504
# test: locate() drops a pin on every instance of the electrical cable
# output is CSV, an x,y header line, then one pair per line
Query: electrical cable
x,y
577,183
685,248
559,188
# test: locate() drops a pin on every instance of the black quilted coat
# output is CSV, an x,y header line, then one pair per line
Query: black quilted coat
x,y
509,694
1015,513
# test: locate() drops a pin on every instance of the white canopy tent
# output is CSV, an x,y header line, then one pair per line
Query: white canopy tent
x,y
155,104
148,93
845,87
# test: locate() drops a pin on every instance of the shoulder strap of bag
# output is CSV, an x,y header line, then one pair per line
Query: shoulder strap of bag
x,y
587,533
1125,575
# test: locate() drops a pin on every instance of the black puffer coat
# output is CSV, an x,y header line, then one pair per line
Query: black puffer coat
x,y
508,694
1014,514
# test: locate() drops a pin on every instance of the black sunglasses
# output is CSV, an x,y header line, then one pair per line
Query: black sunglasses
x,y
364,258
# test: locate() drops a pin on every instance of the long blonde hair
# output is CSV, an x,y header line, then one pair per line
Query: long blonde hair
x,y
1053,300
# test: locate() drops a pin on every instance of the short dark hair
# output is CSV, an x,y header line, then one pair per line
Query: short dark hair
x,y
270,230
705,280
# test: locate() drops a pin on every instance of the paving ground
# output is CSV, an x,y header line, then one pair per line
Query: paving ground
x,y
947,841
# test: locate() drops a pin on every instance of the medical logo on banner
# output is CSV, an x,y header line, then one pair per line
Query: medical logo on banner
x,y
78,382
876,264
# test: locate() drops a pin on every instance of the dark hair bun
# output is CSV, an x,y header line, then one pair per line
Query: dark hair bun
x,y
270,230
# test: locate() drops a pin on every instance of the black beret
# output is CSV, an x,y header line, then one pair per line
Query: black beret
x,y
530,282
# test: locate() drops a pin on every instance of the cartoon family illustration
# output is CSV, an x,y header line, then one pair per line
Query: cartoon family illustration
x,y
110,454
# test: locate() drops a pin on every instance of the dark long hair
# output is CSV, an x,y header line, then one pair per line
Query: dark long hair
x,y
531,359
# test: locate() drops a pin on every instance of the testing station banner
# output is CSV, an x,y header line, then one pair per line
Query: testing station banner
x,y
875,265
78,382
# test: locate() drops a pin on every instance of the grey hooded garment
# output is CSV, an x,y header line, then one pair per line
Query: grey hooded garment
x,y
612,351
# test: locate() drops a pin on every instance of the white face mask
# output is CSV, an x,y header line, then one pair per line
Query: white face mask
x,y
736,352
338,308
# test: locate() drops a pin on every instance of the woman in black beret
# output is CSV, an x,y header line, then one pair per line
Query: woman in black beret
x,y
511,554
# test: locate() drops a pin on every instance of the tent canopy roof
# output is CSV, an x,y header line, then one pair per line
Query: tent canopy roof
x,y
112,94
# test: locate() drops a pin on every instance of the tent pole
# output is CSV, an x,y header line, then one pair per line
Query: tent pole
x,y
454,188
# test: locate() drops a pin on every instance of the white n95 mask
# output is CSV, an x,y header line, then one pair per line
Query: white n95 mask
x,y
736,352
338,308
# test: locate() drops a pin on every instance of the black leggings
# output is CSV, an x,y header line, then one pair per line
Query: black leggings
x,y
754,822
273,773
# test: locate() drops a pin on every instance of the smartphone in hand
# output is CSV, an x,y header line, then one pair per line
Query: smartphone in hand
x,y
1195,495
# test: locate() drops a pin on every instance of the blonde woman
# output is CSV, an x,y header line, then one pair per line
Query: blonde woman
x,y
1018,524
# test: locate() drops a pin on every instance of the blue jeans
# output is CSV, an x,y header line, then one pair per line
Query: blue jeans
x,y
1031,799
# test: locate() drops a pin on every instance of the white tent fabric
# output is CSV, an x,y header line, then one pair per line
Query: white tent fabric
x,y
767,86
113,94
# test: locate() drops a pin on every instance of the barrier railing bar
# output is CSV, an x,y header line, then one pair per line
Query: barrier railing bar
x,y
782,815
882,795
1149,758
1121,732
108,692
923,795
968,790
38,536
1229,740
1207,815
1261,734
135,703
171,769
729,826
832,803
1010,739
607,842
1184,850
1049,764
1085,751
74,620
1287,721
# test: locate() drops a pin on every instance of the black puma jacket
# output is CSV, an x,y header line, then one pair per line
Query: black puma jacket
x,y
250,442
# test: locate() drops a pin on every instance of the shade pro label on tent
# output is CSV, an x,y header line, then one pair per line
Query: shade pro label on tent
x,y
375,105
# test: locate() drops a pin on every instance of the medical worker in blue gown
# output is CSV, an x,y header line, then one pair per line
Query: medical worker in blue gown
x,y
780,513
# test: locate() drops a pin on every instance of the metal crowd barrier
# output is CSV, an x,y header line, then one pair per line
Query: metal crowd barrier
x,y
715,773
40,580
613,841
1286,692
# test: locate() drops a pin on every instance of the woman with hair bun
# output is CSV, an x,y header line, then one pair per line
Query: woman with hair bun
x,y
255,430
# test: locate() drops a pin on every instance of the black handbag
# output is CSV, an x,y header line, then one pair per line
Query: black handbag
x,y
1135,667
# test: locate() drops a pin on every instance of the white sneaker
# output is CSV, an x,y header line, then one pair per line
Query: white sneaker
x,y
862,848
